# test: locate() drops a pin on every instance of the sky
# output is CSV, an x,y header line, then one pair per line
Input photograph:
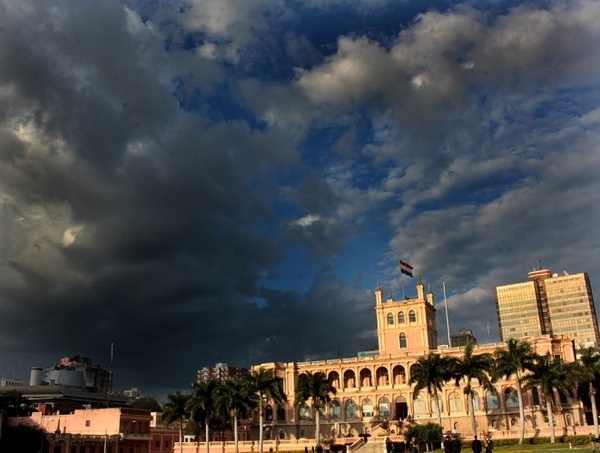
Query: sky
x,y
204,181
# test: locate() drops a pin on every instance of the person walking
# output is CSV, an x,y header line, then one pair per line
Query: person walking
x,y
414,445
447,444
489,444
476,445
456,444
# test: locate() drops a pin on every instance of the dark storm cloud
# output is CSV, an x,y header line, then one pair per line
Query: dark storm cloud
x,y
125,220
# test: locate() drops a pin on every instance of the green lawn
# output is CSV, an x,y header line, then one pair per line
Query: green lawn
x,y
541,448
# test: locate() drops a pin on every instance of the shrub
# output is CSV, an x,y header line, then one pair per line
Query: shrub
x,y
428,432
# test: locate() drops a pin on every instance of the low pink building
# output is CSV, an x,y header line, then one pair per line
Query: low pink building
x,y
114,430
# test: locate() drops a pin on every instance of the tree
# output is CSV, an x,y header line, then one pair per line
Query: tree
x,y
316,388
469,367
202,404
432,372
428,433
588,377
14,404
175,410
265,386
236,399
23,438
515,360
549,375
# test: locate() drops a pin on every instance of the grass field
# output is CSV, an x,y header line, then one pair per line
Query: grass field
x,y
541,448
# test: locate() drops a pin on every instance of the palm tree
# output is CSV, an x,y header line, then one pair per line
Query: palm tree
x,y
175,410
316,388
515,360
473,366
549,376
588,375
235,396
266,386
202,404
432,372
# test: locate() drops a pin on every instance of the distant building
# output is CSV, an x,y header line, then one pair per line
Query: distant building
x,y
462,338
78,371
133,393
221,372
548,304
74,379
11,382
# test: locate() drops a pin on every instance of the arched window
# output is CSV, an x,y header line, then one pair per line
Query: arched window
x,y
535,396
419,405
382,376
351,409
367,407
569,418
402,340
390,319
280,414
349,379
491,400
303,412
399,375
412,316
334,378
476,402
335,410
454,402
281,434
511,398
365,377
401,317
513,422
269,413
384,407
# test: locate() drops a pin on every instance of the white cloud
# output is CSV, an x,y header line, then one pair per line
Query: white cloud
x,y
307,220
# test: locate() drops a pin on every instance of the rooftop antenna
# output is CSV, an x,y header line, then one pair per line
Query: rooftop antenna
x,y
447,316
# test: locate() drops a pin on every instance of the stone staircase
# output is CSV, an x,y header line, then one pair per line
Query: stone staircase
x,y
372,446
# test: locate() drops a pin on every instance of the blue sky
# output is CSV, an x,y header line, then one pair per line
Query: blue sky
x,y
211,181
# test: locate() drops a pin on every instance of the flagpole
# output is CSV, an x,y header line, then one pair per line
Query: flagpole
x,y
402,284
447,317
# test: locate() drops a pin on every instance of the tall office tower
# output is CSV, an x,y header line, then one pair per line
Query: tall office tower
x,y
548,304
